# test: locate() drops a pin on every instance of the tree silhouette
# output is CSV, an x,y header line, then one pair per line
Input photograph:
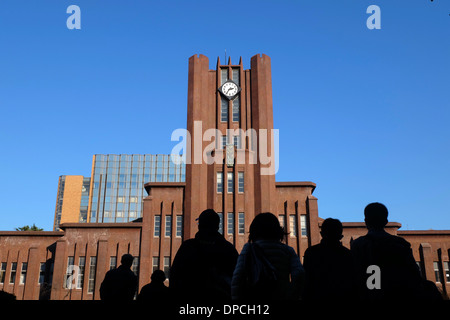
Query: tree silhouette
x,y
28,228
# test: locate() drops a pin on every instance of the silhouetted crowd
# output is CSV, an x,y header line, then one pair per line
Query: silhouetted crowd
x,y
379,266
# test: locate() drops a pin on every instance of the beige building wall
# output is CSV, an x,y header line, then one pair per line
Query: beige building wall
x,y
71,200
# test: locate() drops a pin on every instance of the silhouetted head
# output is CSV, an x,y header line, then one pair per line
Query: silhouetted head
x,y
127,260
158,276
331,230
266,226
375,216
208,221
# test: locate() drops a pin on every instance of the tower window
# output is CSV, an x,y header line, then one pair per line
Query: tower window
x,y
223,75
292,225
437,271
240,182
236,108
235,73
230,223
179,222
303,226
230,182
220,222
168,232
157,226
219,182
223,110
241,223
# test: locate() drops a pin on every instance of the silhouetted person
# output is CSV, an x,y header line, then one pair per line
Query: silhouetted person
x,y
156,290
400,276
6,297
267,269
203,266
120,284
329,266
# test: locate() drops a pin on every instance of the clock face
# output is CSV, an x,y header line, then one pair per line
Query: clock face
x,y
230,89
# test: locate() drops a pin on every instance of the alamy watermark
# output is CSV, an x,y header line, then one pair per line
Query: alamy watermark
x,y
233,146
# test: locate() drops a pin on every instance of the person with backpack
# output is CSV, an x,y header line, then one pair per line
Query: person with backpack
x,y
267,269
203,266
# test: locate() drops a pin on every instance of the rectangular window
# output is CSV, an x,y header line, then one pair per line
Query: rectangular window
x,y
437,271
81,265
223,109
41,273
220,222
2,272
236,109
23,273
12,275
223,75
157,226
230,182
237,142
168,231
292,225
241,223
155,264
282,219
230,223
69,272
235,74
240,182
92,269
224,142
179,231
135,266
446,271
219,182
166,267
112,263
303,226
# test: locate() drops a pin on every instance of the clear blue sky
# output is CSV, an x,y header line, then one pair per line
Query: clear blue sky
x,y
365,114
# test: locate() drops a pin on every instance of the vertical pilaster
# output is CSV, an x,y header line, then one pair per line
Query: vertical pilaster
x,y
59,269
427,261
31,283
313,220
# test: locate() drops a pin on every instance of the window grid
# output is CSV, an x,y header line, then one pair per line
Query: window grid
x,y
230,182
219,181
292,225
81,265
220,222
23,273
157,226
168,231
303,226
166,267
240,182
223,110
437,271
446,271
155,264
236,109
230,223
179,226
92,269
118,183
12,276
241,223
2,272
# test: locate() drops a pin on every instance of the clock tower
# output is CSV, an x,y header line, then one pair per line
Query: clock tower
x,y
230,165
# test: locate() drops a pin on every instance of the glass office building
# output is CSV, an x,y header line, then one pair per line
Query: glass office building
x,y
118,183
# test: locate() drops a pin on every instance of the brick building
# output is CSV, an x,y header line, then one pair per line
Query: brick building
x,y
230,167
